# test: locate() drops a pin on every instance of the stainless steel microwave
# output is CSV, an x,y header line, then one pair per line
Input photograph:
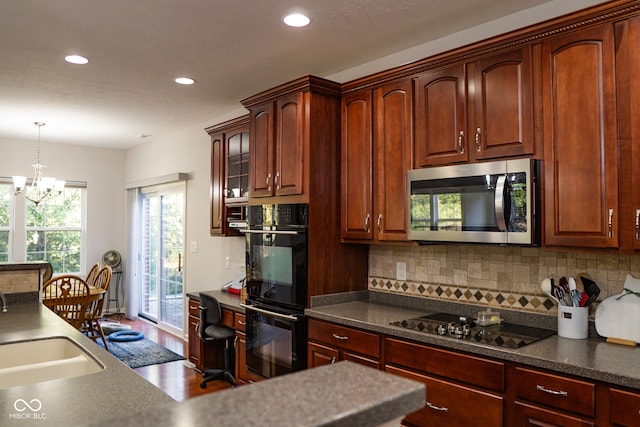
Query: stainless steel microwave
x,y
491,202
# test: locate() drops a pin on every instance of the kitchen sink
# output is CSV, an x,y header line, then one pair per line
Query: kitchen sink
x,y
30,362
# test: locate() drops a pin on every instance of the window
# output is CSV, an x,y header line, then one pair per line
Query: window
x,y
5,218
53,231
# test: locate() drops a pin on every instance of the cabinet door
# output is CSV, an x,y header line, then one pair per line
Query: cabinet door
x,y
320,355
449,404
529,415
392,158
194,342
217,184
634,90
441,117
357,181
580,149
288,174
261,151
502,104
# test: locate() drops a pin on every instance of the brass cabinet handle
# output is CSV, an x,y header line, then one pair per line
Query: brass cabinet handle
x,y
637,224
379,223
549,391
610,223
276,180
461,142
366,223
268,182
478,132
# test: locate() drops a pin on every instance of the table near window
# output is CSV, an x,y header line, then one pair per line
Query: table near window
x,y
69,297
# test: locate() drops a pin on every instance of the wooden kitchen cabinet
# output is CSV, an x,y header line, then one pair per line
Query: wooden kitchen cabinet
x,y
292,128
243,375
330,343
549,399
462,390
229,174
203,355
580,205
375,160
624,408
478,110
451,404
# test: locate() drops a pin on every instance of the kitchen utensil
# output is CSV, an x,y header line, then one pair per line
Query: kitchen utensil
x,y
591,289
558,292
566,298
575,293
546,287
621,341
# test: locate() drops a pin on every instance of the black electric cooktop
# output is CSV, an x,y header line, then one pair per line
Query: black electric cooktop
x,y
507,335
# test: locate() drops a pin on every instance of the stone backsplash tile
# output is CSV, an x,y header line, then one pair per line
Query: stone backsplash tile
x,y
496,276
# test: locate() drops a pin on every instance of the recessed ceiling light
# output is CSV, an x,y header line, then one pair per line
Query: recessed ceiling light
x,y
296,20
185,81
76,59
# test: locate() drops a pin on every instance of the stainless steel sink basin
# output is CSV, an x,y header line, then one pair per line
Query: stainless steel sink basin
x,y
30,362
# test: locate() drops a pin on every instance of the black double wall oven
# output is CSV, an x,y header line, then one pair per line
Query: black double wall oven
x,y
276,239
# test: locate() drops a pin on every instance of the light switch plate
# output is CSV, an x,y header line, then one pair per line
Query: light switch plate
x,y
194,246
401,271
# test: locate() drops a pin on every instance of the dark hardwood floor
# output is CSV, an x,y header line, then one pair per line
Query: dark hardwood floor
x,y
174,378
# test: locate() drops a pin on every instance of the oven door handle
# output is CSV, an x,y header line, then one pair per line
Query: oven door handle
x,y
270,313
294,233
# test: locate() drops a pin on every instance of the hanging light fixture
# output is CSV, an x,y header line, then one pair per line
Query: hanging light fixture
x,y
41,187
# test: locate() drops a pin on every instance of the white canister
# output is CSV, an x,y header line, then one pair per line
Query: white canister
x,y
573,322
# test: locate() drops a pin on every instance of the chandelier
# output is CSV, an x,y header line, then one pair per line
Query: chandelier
x,y
41,187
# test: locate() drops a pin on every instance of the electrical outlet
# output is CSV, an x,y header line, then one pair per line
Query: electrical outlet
x,y
401,271
194,246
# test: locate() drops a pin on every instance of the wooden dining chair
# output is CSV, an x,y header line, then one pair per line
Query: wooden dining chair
x,y
67,296
92,274
91,325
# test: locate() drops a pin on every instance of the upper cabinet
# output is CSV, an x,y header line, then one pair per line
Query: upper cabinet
x,y
580,139
631,214
229,174
479,110
291,125
375,160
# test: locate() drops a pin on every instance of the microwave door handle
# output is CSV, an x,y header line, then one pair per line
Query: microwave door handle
x,y
294,233
269,313
501,186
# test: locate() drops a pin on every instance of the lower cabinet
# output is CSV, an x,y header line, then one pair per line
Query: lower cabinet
x,y
329,343
624,408
462,390
202,355
243,375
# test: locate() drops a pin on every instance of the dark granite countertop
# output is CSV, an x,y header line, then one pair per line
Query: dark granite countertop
x,y
226,300
344,394
590,358
24,265
116,390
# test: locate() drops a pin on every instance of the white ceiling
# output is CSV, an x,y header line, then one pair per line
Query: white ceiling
x,y
233,48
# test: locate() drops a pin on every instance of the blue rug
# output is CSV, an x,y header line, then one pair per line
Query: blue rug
x,y
144,352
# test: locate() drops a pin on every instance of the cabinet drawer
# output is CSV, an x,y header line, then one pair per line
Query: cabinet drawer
x,y
450,404
240,322
194,307
227,318
456,366
625,408
345,338
553,390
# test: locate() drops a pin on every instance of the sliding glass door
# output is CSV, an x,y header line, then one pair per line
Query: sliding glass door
x,y
162,234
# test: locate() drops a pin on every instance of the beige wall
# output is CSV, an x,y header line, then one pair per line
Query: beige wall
x,y
103,171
